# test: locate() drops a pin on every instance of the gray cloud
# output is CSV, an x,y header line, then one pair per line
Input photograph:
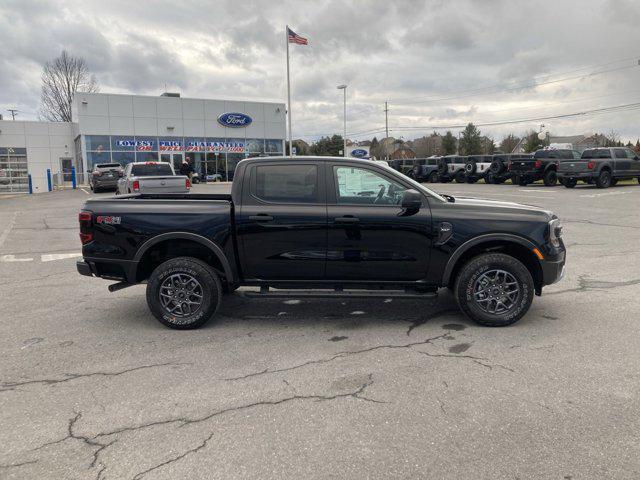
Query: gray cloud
x,y
412,53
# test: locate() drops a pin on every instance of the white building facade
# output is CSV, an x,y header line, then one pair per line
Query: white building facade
x,y
213,135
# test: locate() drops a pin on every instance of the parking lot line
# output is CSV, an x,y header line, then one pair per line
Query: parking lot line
x,y
7,230
49,257
85,191
12,258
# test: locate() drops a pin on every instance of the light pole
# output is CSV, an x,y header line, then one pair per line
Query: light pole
x,y
344,138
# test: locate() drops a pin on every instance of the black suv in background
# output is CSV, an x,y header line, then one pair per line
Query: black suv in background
x,y
105,176
543,166
499,170
427,170
602,166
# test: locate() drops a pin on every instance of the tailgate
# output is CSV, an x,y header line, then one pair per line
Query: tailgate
x,y
168,184
523,166
578,166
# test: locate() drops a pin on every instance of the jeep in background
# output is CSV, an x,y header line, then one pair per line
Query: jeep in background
x,y
105,176
321,227
602,166
477,167
451,167
499,171
426,171
543,166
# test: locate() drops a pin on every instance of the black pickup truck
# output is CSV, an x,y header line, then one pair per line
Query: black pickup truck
x,y
543,166
321,226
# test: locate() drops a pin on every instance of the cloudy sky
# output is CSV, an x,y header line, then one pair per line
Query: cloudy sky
x,y
438,63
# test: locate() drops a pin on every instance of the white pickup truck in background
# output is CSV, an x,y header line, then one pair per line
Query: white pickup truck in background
x,y
152,177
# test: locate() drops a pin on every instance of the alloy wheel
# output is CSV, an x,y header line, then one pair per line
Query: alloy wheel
x,y
181,295
496,291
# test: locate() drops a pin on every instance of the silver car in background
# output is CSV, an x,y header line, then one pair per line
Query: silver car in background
x,y
152,177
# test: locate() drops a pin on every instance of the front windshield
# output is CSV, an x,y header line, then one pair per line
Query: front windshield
x,y
416,185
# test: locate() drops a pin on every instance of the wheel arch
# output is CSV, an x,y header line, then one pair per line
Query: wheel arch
x,y
516,246
221,262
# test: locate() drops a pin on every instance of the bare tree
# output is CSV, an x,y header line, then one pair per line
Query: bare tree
x,y
61,79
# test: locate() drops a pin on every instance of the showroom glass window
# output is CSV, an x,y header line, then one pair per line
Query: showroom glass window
x,y
286,183
273,146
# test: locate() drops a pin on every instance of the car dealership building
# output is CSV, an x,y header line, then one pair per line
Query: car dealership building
x,y
214,135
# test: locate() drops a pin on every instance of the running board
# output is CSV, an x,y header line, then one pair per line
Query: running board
x,y
266,293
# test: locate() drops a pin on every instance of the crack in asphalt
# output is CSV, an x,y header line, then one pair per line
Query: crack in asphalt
x,y
189,421
90,442
16,465
74,376
268,371
137,476
358,393
591,222
478,360
585,285
421,321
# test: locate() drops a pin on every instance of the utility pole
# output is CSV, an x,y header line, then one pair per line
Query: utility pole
x,y
13,113
386,123
344,139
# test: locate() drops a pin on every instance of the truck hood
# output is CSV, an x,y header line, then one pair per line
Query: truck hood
x,y
502,207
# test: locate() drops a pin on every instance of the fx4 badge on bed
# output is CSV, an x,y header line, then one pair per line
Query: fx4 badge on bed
x,y
108,220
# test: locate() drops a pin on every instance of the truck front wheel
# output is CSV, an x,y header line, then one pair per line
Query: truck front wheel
x,y
494,289
183,293
550,178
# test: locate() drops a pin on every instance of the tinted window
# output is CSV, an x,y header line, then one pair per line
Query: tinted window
x,y
287,183
361,186
433,161
593,153
631,153
576,154
620,153
151,169
108,165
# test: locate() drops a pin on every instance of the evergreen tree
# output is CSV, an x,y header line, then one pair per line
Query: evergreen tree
x,y
471,141
449,143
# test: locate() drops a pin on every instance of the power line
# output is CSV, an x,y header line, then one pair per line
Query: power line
x,y
516,87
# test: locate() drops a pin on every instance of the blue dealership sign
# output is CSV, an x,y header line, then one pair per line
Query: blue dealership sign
x,y
234,120
359,152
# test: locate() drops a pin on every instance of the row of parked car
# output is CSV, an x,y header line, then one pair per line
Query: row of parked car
x,y
600,166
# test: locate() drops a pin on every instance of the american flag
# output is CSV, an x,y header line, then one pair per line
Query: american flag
x,y
295,38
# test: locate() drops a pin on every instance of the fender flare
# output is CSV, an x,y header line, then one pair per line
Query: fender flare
x,y
217,251
458,252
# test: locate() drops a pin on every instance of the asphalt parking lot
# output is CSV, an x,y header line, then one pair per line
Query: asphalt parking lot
x,y
93,387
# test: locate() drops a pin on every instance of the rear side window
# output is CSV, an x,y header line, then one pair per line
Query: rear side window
x,y
620,153
108,165
287,184
151,170
593,153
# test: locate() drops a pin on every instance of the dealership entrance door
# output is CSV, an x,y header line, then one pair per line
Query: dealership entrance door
x,y
174,159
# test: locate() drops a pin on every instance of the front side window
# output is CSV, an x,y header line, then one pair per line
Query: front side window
x,y
287,183
360,186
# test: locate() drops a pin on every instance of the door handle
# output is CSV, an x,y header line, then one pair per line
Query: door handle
x,y
346,219
262,217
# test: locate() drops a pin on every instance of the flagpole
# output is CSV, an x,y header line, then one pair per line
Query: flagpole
x,y
288,90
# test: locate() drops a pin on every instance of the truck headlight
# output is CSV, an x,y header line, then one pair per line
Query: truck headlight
x,y
555,232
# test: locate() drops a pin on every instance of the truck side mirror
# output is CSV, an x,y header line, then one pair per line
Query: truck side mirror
x,y
411,202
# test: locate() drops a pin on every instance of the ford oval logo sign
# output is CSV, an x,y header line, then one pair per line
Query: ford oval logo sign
x,y
234,120
359,152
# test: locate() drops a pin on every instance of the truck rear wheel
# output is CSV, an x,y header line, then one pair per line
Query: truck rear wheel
x,y
460,177
550,178
494,289
433,177
183,293
604,179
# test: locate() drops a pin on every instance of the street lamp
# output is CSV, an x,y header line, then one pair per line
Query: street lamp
x,y
344,138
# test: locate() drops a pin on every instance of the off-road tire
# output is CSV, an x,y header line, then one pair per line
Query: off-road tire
x,y
550,178
460,177
474,269
433,177
211,292
614,182
570,182
604,179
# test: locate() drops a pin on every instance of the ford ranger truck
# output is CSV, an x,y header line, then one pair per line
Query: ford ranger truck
x,y
321,227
